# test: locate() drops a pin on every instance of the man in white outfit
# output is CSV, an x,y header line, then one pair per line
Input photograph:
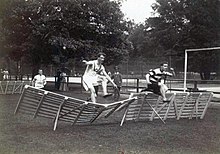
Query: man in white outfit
x,y
39,80
95,75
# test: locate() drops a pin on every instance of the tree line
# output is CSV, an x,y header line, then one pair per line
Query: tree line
x,y
42,32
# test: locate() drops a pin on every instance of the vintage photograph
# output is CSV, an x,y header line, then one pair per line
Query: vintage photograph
x,y
110,77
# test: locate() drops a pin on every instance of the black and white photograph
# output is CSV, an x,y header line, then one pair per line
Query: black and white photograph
x,y
109,76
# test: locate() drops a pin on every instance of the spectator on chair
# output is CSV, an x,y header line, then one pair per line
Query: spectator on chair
x,y
156,80
39,80
95,75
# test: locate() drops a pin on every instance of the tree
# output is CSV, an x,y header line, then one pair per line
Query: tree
x,y
68,29
15,31
184,24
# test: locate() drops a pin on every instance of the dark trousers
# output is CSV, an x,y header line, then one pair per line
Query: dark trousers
x,y
155,88
117,93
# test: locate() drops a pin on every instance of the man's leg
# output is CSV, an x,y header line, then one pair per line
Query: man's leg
x,y
104,88
150,87
93,94
96,89
117,93
163,90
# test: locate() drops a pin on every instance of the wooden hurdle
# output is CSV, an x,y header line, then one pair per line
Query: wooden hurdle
x,y
42,103
195,105
149,106
12,87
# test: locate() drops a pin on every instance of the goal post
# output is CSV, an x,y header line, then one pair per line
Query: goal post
x,y
186,61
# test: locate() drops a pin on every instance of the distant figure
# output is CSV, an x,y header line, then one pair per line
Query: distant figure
x,y
1,75
5,74
39,80
156,80
117,78
58,75
94,75
63,82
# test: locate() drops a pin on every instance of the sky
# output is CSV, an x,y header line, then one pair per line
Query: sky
x,y
138,10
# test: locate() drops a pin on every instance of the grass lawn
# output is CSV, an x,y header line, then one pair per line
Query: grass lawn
x,y
21,134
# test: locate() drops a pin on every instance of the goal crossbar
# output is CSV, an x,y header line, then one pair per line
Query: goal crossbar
x,y
186,60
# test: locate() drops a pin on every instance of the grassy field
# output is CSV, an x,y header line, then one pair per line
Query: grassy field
x,y
21,134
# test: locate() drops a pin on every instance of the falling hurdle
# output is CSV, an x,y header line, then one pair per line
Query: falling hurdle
x,y
12,87
138,107
149,106
42,103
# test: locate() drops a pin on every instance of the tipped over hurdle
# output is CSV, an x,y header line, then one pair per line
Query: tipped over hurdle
x,y
42,103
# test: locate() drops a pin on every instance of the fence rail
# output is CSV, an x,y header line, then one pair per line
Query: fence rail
x,y
136,84
12,87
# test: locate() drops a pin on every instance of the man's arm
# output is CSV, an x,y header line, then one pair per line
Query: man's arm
x,y
45,81
173,72
87,62
170,74
148,78
120,77
33,81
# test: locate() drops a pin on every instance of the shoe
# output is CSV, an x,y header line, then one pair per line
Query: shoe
x,y
107,95
166,101
146,89
143,90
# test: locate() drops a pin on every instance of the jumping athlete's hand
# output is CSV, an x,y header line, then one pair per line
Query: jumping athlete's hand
x,y
148,82
114,85
84,61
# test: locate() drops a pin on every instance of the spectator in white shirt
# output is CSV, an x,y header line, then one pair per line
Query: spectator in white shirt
x,y
5,74
39,80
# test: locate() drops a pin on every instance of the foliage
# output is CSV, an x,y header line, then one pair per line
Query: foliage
x,y
183,24
37,30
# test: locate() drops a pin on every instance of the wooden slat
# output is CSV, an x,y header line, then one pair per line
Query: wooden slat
x,y
1,88
77,117
58,113
20,100
209,97
156,108
39,105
